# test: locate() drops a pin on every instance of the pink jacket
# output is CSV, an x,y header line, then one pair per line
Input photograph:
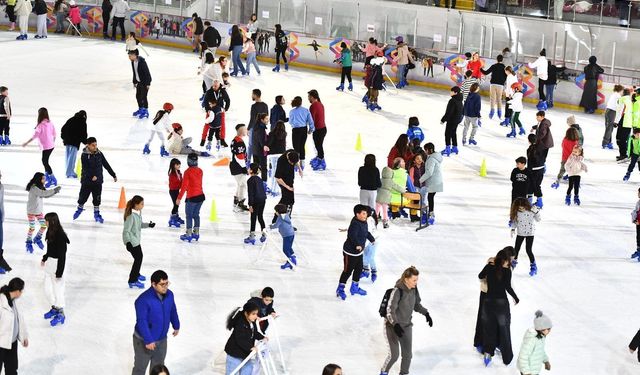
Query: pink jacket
x,y
46,135
575,165
249,47
74,14
371,49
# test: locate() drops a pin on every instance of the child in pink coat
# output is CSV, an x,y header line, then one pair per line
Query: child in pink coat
x,y
574,167
74,14
45,133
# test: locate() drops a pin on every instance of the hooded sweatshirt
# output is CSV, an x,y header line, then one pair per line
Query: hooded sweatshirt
x,y
388,187
453,114
402,303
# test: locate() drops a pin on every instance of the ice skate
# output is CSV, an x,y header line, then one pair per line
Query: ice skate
x,y
137,284
340,292
146,150
567,200
29,246
533,269
97,217
163,151
77,213
355,289
38,241
576,200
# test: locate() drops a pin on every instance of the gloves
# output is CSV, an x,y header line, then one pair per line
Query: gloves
x,y
152,224
129,246
398,330
57,189
429,320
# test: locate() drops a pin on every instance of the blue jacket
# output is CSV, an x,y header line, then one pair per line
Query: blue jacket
x,y
357,235
472,105
277,114
154,314
300,117
283,223
415,132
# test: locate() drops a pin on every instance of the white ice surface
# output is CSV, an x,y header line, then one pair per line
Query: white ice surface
x,y
586,283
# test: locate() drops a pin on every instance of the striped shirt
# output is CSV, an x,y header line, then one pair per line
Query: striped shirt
x,y
466,87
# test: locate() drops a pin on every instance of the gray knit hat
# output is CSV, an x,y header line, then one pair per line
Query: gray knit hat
x,y
541,321
571,120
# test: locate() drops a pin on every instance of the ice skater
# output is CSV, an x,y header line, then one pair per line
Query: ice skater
x,y
244,334
53,264
14,325
257,200
635,219
452,116
46,134
73,133
515,105
4,266
353,249
633,150
23,9
523,218
259,139
612,115
5,116
161,128
257,108
346,65
536,166
35,209
277,145
277,112
175,183
282,44
285,175
132,235
624,125
519,180
532,355
238,167
192,186
471,111
264,301
575,166
432,179
369,259
179,145
287,231
369,181
249,48
141,82
317,114
301,124
383,195
91,180
568,143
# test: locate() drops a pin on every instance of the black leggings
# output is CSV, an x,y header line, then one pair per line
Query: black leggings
x,y
318,141
136,253
528,247
515,120
450,136
622,137
261,160
346,71
280,53
352,266
45,160
258,210
541,84
298,139
430,197
574,183
174,196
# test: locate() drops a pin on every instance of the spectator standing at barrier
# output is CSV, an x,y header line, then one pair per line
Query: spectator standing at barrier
x,y
106,15
120,9
252,27
589,99
507,57
212,37
198,29
60,10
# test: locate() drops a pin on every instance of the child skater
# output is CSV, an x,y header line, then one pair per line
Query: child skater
x,y
574,166
57,242
4,266
5,116
353,248
161,127
345,61
532,354
213,119
517,107
414,131
132,42
238,166
264,301
46,134
35,209
633,150
383,195
179,145
283,223
635,219
175,183
453,117
369,260
524,217
131,236
257,199
244,333
635,342
192,186
471,112
519,179
568,143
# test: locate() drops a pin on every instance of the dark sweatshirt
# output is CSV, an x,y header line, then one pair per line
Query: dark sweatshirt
x,y
257,108
277,114
243,337
276,146
265,310
74,131
453,114
498,75
357,235
519,182
57,249
498,288
472,105
92,166
369,178
259,138
255,189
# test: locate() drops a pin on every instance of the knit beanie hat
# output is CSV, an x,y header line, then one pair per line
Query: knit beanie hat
x,y
192,159
571,120
541,321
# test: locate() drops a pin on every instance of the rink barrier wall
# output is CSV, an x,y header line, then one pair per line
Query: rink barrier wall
x,y
301,54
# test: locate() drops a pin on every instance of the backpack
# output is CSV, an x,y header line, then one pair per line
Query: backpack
x,y
385,301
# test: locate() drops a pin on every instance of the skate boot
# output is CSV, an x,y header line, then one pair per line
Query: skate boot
x,y
521,131
143,114
365,273
539,202
446,151
196,234
432,218
38,241
636,254
97,217
51,313
403,213
491,113
514,263
505,122
350,88
137,284
365,99
173,221
242,206
204,154
276,68
355,289
53,180
142,278
378,107
499,113
137,113
487,360
512,134
609,145
163,151
2,141
47,180
464,141
29,246
179,219
626,177
208,146
454,150
77,213
340,88
289,263
565,177
59,318
263,236
146,150
542,105
555,185
187,237
374,275
533,270
251,240
340,292
7,141
286,67
567,200
371,107
471,142
576,200
313,162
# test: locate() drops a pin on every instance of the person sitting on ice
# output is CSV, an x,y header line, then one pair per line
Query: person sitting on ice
x,y
180,145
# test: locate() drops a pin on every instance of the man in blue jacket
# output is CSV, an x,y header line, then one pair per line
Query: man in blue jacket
x,y
155,309
357,236
141,81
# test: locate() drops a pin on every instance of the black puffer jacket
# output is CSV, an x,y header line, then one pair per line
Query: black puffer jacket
x,y
74,130
92,166
453,115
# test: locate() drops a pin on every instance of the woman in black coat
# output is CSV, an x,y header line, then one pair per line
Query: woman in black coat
x,y
589,99
243,338
73,133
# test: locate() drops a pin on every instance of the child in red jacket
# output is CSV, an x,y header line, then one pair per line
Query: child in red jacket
x,y
175,183
570,140
192,186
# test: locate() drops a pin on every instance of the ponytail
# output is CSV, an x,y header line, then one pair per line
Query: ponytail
x,y
131,204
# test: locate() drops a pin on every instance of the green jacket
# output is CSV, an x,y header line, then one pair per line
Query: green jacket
x,y
636,113
345,58
11,2
633,146
625,102
388,187
400,179
532,355
132,227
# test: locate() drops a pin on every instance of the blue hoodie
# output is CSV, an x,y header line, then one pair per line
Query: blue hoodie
x,y
283,223
415,132
153,315
472,105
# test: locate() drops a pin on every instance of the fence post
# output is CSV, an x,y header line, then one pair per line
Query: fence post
x,y
555,44
386,20
279,10
482,37
304,21
460,34
330,21
601,10
613,57
415,32
358,24
564,50
491,41
517,45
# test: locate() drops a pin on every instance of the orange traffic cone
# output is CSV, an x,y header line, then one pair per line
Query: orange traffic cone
x,y
123,200
222,162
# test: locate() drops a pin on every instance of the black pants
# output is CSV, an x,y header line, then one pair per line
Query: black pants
x,y
430,202
45,160
105,23
346,71
632,163
541,84
318,140
622,137
477,337
299,138
9,359
174,195
261,160
508,112
637,237
117,21
93,188
141,95
282,54
574,183
258,210
352,267
136,253
11,13
287,198
535,182
496,328
450,136
528,247
4,126
212,132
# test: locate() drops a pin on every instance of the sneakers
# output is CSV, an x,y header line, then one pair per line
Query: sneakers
x,y
355,289
146,150
340,292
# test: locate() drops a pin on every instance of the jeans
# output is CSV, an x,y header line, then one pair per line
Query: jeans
x,y
142,355
192,211
400,73
251,60
70,156
550,89
60,17
237,62
233,363
370,256
609,122
287,246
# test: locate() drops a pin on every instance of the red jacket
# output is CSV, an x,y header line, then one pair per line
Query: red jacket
x,y
317,114
175,180
475,67
567,148
394,154
191,183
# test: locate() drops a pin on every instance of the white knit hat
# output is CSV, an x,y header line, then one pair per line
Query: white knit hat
x,y
541,321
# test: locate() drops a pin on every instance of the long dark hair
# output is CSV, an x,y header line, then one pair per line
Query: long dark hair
x,y
36,180
159,369
56,7
238,314
370,161
499,261
43,114
402,144
15,284
131,204
235,32
54,228
278,28
279,131
330,369
260,117
296,102
159,116
172,166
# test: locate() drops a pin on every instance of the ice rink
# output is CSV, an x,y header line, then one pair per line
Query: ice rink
x,y
586,284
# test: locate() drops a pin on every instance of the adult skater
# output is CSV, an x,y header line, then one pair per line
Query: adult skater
x,y
244,334
285,174
543,142
192,186
91,180
353,249
252,27
238,167
57,241
106,15
403,301
23,9
120,9
403,59
532,355
346,63
589,100
282,43
212,37
400,149
611,115
198,29
141,82
332,369
155,309
624,125
277,112
317,114
5,116
541,65
4,266
301,124
46,134
235,48
131,236
496,317
13,327
73,132
432,179
369,181
260,148
452,117
257,107
219,93
498,79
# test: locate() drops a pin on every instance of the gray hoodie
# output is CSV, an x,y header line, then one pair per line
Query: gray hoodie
x,y
402,305
34,204
432,177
